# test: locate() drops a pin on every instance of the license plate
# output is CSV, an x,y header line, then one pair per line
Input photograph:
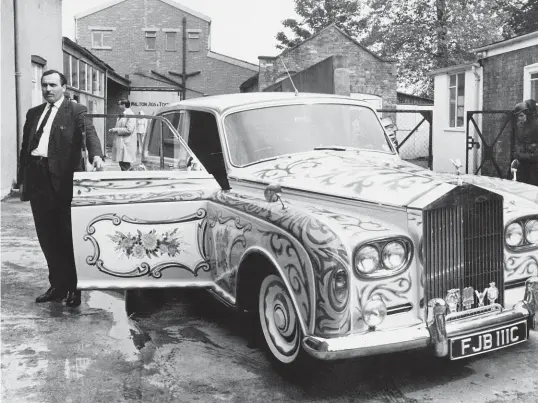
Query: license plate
x,y
490,340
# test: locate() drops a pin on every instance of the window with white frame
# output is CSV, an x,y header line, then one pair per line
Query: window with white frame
x,y
101,83
171,41
456,93
151,40
82,75
193,41
101,39
67,67
89,82
37,94
95,81
74,72
530,82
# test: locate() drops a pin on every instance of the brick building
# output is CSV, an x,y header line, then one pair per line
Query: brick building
x,y
153,43
369,75
504,74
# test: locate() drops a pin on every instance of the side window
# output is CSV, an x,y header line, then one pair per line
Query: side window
x,y
176,157
201,132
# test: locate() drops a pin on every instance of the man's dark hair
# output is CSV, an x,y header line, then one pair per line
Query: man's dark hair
x,y
63,80
125,102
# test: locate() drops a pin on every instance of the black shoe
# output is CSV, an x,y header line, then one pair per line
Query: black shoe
x,y
52,294
73,298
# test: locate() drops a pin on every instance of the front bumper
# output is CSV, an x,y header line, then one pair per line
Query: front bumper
x,y
436,334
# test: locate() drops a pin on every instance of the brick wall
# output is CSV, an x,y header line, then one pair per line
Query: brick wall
x,y
503,77
368,73
128,54
503,88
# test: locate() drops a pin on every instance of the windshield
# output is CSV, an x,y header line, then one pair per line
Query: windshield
x,y
259,134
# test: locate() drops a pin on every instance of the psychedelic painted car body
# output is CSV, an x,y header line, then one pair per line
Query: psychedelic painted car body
x,y
299,209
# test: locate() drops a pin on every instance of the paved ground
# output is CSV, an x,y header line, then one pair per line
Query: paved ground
x,y
187,348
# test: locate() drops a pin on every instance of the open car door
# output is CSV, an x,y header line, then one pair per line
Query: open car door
x,y
144,228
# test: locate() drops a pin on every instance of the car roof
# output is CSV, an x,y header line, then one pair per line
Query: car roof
x,y
221,103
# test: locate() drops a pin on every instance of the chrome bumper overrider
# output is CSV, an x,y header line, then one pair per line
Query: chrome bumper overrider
x,y
436,333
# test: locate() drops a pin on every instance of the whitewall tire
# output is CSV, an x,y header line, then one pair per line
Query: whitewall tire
x,y
279,321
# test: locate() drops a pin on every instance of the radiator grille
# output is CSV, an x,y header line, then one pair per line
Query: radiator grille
x,y
463,244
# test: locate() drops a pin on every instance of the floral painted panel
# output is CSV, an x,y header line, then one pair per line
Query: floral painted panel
x,y
128,247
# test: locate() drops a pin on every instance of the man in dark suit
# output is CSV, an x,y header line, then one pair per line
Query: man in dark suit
x,y
50,154
526,142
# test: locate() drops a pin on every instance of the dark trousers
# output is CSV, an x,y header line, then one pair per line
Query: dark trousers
x,y
125,165
528,173
52,218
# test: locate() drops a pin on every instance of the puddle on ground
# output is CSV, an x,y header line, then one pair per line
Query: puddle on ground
x,y
190,333
123,328
74,368
22,367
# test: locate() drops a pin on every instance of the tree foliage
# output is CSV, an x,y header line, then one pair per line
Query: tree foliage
x,y
523,17
318,14
428,34
421,35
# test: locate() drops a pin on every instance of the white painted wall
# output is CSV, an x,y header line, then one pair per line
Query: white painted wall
x,y
450,142
40,34
8,127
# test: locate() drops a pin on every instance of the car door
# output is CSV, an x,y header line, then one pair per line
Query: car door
x,y
144,228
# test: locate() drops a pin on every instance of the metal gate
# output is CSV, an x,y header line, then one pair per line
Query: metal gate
x,y
490,142
414,139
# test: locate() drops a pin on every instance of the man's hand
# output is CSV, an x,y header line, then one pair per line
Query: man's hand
x,y
98,163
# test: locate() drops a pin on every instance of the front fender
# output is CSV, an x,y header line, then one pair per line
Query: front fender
x,y
306,250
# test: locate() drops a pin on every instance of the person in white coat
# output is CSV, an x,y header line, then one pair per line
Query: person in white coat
x,y
141,126
124,145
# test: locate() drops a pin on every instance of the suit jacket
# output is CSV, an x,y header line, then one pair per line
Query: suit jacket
x,y
65,146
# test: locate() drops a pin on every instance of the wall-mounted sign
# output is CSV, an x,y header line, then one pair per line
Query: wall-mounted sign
x,y
151,101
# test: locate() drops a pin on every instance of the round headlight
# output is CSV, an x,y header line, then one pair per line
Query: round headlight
x,y
375,312
514,234
394,255
367,259
531,231
339,286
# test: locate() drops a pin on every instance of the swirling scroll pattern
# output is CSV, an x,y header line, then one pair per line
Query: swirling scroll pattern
x,y
89,185
392,292
295,268
228,242
144,268
351,224
349,171
519,267
325,249
142,197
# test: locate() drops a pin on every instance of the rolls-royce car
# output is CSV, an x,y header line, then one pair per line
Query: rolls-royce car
x,y
297,209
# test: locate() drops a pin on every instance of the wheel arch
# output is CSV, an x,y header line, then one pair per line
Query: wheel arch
x,y
255,264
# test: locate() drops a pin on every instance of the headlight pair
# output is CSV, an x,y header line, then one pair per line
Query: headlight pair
x,y
382,258
522,234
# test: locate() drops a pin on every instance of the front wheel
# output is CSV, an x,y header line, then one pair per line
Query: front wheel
x,y
279,321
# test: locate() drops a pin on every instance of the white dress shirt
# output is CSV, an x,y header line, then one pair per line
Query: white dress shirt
x,y
43,147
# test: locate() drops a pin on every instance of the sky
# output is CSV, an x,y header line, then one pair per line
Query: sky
x,y
244,29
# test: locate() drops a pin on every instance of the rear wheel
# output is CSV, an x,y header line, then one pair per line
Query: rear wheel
x,y
279,322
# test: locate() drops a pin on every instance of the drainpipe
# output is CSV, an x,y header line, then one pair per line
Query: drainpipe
x,y
184,71
105,93
18,105
477,107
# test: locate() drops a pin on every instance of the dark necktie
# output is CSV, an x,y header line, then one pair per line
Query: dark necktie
x,y
39,133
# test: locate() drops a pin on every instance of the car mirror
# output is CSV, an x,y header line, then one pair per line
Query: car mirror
x,y
272,194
